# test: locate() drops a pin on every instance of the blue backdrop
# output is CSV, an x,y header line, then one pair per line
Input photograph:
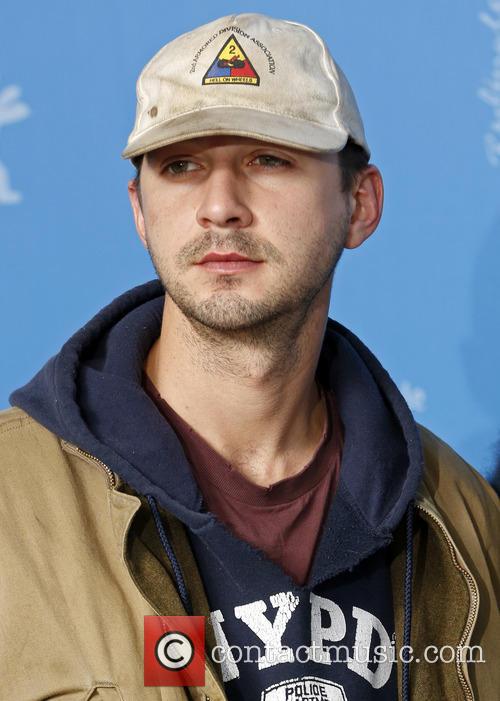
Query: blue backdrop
x,y
422,293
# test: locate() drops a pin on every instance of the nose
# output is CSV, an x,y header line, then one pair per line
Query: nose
x,y
224,202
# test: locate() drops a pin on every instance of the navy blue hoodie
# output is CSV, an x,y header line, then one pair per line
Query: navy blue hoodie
x,y
297,643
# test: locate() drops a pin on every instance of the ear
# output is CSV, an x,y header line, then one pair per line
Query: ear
x,y
367,200
137,211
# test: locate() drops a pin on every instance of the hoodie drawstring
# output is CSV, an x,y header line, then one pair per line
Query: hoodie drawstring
x,y
407,600
179,577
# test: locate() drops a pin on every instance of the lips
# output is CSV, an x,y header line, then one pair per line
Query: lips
x,y
228,263
223,257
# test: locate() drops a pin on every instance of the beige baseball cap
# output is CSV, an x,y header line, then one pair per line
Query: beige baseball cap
x,y
248,75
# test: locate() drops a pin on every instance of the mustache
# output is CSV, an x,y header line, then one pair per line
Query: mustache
x,y
231,241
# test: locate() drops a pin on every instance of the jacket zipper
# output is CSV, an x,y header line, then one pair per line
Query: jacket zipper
x,y
474,600
112,483
109,473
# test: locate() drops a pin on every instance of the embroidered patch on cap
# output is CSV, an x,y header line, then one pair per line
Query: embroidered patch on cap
x,y
231,65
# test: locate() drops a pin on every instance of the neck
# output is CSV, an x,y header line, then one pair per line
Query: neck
x,y
250,394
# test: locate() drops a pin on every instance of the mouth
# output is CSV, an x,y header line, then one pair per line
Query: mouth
x,y
227,263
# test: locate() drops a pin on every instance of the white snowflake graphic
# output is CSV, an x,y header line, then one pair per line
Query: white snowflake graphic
x,y
489,92
416,397
12,110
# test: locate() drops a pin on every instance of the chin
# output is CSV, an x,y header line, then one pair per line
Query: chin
x,y
230,312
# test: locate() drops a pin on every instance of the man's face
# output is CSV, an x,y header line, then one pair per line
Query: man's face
x,y
278,208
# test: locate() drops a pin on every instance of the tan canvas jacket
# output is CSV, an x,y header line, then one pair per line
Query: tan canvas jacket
x,y
81,565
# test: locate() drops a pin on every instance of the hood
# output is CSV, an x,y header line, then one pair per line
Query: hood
x,y
90,394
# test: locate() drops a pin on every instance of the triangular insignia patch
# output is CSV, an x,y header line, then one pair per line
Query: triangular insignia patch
x,y
231,65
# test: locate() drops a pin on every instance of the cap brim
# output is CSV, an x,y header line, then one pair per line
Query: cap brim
x,y
238,121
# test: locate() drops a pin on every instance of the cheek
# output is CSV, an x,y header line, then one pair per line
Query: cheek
x,y
312,202
157,213
308,220
162,206
167,225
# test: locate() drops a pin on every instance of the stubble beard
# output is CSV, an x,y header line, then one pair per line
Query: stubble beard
x,y
228,313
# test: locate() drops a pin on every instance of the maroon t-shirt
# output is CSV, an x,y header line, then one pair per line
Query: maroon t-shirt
x,y
283,520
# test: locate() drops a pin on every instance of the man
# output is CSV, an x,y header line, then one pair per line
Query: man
x,y
224,449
